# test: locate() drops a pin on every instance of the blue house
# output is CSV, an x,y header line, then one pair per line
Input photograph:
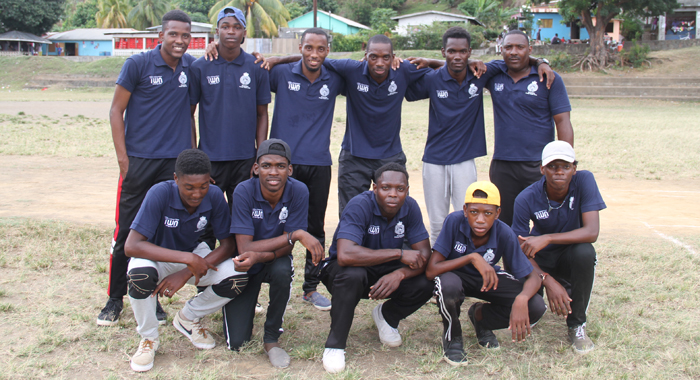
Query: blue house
x,y
547,20
328,21
82,42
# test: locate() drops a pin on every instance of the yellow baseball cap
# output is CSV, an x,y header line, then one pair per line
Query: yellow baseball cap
x,y
493,196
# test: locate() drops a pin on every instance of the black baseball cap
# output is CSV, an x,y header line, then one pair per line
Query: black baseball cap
x,y
274,146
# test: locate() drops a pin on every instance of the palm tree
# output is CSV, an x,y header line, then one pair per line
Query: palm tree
x,y
262,16
147,13
112,13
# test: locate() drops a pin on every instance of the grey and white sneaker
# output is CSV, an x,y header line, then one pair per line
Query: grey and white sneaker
x,y
580,342
387,334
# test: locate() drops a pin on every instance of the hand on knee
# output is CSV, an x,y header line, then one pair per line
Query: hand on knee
x,y
142,282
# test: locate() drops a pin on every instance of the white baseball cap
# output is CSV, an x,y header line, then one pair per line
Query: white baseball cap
x,y
558,150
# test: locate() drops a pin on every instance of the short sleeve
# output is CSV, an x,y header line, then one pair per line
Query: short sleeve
x,y
353,223
418,90
494,68
342,66
262,77
558,98
151,211
513,257
241,213
130,76
413,73
220,215
415,229
443,243
591,199
298,209
521,216
275,73
195,88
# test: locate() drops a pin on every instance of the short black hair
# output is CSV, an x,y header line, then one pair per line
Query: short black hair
x,y
456,32
317,31
175,15
380,39
192,162
390,167
518,33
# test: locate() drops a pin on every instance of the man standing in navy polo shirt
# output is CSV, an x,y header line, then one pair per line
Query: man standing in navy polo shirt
x,y
304,103
233,94
564,208
163,245
525,116
463,264
367,260
269,216
152,89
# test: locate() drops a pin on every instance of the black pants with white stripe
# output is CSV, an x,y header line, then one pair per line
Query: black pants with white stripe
x,y
240,312
452,287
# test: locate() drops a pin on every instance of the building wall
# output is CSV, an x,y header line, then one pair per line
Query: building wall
x,y
557,27
406,25
85,48
323,21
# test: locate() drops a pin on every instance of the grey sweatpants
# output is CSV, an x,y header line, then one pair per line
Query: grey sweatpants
x,y
443,184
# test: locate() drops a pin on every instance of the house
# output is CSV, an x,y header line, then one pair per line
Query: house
x,y
408,23
130,42
681,24
82,42
548,21
20,43
328,21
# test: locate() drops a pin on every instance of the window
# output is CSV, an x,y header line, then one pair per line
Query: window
x,y
545,23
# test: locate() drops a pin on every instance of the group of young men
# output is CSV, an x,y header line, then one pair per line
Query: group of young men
x,y
271,193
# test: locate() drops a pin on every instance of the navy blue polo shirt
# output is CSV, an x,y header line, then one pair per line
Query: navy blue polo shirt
x,y
455,241
228,94
363,223
456,123
252,214
373,110
303,113
531,204
157,121
523,115
165,222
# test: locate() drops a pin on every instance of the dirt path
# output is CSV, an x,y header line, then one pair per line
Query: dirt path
x,y
84,190
57,108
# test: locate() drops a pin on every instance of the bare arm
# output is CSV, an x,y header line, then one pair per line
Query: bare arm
x,y
262,124
193,108
564,129
586,234
116,121
388,283
253,252
519,314
438,264
351,254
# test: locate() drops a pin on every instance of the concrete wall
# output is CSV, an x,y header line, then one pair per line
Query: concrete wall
x,y
406,25
323,21
272,45
540,50
668,45
85,48
557,27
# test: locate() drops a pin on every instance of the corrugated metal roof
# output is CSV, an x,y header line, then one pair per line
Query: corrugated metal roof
x,y
341,19
87,34
464,17
23,37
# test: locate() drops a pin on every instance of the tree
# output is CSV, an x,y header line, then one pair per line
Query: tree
x,y
361,10
148,13
603,11
195,6
262,16
381,21
34,16
82,15
295,9
325,5
112,13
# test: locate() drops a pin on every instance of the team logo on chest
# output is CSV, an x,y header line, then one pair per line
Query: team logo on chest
x,y
473,91
257,213
442,94
214,79
324,91
488,256
532,88
373,230
498,87
571,203
541,215
293,86
183,79
202,223
245,81
156,80
362,87
171,222
392,88
460,247
284,213
399,230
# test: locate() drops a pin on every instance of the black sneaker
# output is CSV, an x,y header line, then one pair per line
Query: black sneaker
x,y
109,316
161,314
454,352
486,338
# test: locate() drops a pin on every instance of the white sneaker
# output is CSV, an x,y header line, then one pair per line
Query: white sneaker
x,y
387,334
333,360
142,360
194,331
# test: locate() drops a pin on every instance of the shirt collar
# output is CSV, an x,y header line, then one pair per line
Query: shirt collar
x,y
445,75
392,74
239,61
286,195
403,211
493,237
176,202
160,62
297,69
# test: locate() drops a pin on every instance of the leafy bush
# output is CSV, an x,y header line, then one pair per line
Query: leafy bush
x,y
352,42
561,62
632,29
635,55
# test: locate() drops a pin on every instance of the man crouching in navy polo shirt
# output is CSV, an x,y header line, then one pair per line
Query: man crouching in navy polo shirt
x,y
367,260
166,255
269,216
463,264
563,207
152,89
233,94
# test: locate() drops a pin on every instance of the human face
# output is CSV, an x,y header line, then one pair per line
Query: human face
x,y
175,38
192,188
390,192
314,50
516,52
230,32
558,174
379,57
481,217
456,53
273,171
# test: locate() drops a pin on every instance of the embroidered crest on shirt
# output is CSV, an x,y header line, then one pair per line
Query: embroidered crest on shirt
x,y
473,90
460,247
214,79
399,230
392,88
156,80
202,223
324,91
245,81
183,79
442,94
284,213
362,87
488,256
498,87
171,222
257,213
571,203
294,86
532,88
541,214
373,230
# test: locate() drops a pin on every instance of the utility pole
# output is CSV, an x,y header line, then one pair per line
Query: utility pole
x,y
315,13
